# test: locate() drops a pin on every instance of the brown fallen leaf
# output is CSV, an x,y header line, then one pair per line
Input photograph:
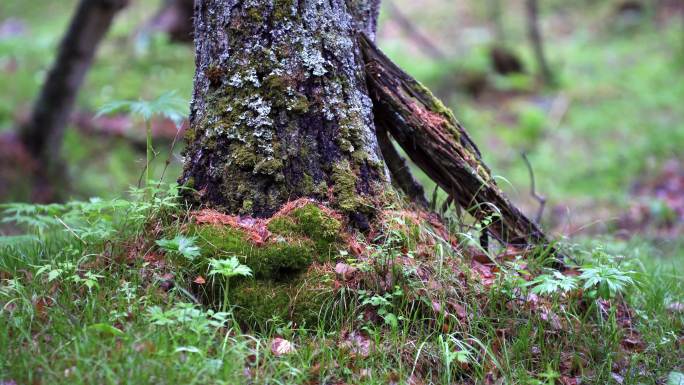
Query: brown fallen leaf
x,y
200,280
357,343
345,271
281,346
565,380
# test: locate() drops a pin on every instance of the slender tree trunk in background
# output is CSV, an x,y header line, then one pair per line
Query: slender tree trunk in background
x,y
503,59
175,18
424,42
280,107
494,10
43,133
535,36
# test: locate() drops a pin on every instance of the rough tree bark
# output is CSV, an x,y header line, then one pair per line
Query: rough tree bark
x,y
280,107
42,134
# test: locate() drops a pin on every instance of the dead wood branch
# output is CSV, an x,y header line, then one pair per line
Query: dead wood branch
x,y
399,170
438,144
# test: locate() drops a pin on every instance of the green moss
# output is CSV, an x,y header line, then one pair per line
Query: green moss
x,y
274,260
282,9
285,285
243,156
259,301
313,223
305,235
255,14
431,101
268,166
322,188
247,204
351,126
307,184
300,104
344,187
359,156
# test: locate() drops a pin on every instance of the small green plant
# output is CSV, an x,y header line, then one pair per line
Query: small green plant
x,y
96,220
68,272
228,268
605,281
169,105
549,376
453,354
188,315
180,246
383,304
547,284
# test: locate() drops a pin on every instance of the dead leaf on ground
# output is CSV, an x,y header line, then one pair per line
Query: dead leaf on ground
x,y
357,343
565,380
346,272
281,346
199,280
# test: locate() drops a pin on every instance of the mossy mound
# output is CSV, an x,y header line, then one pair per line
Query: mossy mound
x,y
312,222
278,259
292,257
287,255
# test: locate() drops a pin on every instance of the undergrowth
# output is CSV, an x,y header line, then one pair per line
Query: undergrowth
x,y
106,291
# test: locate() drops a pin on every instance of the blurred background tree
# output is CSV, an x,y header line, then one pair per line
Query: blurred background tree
x,y
42,134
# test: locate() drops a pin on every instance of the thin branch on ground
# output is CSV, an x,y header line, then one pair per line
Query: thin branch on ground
x,y
533,190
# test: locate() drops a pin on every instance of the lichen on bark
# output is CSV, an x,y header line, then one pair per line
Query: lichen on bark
x,y
280,105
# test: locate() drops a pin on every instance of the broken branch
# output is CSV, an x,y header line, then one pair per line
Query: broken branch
x,y
437,143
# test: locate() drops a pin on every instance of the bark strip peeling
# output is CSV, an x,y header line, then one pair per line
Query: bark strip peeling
x,y
439,145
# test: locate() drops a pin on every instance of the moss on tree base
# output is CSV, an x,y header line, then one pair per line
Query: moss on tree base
x,y
287,254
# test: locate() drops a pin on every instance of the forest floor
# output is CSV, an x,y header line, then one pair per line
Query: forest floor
x,y
87,295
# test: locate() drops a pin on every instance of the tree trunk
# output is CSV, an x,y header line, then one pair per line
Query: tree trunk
x,y
537,41
281,111
280,107
174,18
43,133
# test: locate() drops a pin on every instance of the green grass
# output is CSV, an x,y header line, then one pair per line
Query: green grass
x,y
84,300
